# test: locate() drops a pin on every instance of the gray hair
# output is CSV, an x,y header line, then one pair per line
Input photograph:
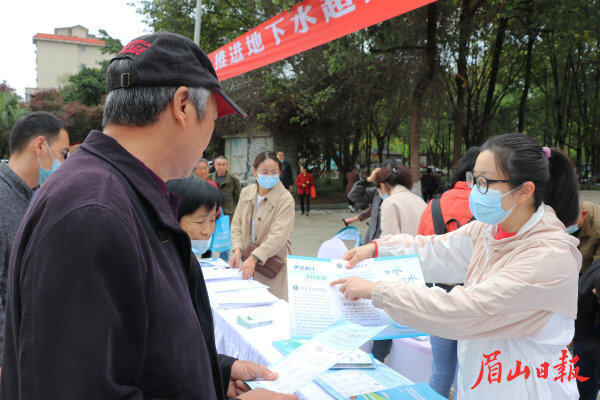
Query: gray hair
x,y
204,160
220,158
142,105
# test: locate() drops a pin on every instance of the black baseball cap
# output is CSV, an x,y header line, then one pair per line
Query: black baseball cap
x,y
168,59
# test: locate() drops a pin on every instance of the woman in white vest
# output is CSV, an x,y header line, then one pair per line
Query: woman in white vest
x,y
515,315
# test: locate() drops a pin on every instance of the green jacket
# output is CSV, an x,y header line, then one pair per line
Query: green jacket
x,y
231,188
589,235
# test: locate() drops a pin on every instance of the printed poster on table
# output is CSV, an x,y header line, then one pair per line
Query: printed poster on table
x,y
315,305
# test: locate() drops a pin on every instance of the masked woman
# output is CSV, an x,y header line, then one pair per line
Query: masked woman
x,y
514,316
198,210
262,225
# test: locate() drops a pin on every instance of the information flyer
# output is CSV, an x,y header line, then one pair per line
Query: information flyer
x,y
316,356
315,305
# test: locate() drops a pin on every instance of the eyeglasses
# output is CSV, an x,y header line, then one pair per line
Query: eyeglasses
x,y
482,182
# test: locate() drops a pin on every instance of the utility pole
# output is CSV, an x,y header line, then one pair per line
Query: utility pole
x,y
198,22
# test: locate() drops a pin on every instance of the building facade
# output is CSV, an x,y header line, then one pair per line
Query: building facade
x,y
242,148
63,53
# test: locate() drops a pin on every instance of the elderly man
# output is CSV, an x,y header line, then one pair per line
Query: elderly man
x,y
38,144
229,184
587,230
201,171
105,300
287,175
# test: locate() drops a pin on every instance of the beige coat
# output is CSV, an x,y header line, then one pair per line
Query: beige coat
x,y
401,212
273,226
520,298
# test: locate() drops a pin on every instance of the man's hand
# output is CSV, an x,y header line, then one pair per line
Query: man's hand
x,y
263,394
235,259
247,268
372,177
358,254
246,371
354,288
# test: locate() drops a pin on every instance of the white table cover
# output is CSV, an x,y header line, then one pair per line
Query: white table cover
x,y
256,344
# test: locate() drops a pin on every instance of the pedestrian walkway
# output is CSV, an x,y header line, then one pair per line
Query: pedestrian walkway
x,y
310,232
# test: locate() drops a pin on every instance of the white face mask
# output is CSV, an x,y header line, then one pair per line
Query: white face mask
x,y
200,247
44,174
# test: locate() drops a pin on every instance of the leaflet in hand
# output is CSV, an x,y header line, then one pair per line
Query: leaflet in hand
x,y
343,384
356,359
315,305
316,356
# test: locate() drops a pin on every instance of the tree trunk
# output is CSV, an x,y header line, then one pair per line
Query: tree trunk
x,y
489,101
527,82
369,148
421,87
461,77
465,27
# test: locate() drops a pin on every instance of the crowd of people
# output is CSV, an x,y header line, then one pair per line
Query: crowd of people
x,y
102,295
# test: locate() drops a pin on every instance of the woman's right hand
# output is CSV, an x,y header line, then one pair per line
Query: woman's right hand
x,y
236,258
359,254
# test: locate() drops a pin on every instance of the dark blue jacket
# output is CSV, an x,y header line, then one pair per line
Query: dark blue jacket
x,y
104,298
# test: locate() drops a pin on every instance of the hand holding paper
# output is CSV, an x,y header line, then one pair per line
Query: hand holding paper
x,y
358,254
316,356
354,288
315,304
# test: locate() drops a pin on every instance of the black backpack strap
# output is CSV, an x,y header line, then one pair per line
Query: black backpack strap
x,y
458,225
439,226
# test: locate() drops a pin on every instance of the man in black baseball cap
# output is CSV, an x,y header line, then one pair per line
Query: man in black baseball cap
x,y
105,299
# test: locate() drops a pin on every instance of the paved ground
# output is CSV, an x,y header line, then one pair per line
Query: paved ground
x,y
310,232
591,195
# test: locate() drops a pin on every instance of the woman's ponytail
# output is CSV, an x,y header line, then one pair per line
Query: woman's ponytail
x,y
562,192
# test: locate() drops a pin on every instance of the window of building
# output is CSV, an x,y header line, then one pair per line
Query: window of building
x,y
82,49
81,67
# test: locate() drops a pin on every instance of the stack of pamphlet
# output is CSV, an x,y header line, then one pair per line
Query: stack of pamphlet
x,y
242,298
253,320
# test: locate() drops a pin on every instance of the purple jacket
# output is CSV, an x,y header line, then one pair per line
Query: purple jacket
x,y
104,298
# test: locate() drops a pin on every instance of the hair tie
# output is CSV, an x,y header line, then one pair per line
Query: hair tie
x,y
547,151
395,170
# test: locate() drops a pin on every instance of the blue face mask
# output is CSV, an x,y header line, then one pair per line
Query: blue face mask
x,y
44,174
200,247
571,229
267,181
383,196
487,207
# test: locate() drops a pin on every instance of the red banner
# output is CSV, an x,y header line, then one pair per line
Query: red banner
x,y
306,25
